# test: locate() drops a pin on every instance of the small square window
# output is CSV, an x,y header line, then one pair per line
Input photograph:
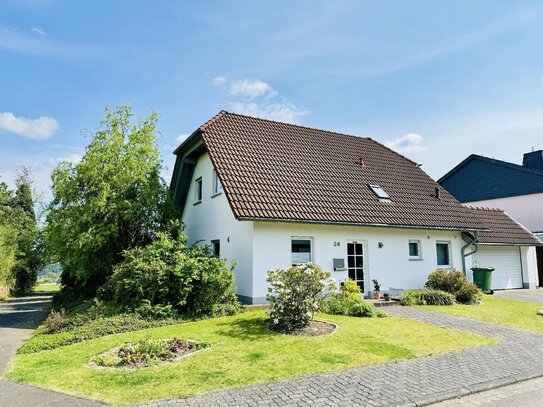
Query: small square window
x,y
198,190
414,250
301,250
217,186
216,248
379,192
443,254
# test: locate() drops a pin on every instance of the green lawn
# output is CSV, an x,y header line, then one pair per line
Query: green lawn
x,y
47,288
517,314
243,352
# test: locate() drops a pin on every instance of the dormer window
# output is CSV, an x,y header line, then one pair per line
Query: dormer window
x,y
379,192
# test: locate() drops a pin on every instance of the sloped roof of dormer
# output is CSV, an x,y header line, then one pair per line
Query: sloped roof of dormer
x,y
283,172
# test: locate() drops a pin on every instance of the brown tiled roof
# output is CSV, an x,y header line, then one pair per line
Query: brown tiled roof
x,y
504,230
277,171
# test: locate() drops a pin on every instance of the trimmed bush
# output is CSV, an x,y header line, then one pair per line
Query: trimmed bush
x,y
294,293
427,297
455,283
469,294
349,301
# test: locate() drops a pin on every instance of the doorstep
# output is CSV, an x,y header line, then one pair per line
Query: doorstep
x,y
382,303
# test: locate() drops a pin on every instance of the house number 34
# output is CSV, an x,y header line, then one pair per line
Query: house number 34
x,y
336,244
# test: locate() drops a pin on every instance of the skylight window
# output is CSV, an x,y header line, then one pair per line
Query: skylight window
x,y
379,192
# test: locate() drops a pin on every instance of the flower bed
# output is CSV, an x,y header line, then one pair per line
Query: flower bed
x,y
146,352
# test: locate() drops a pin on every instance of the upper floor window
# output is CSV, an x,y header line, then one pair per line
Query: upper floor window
x,y
301,250
217,186
443,252
414,250
198,190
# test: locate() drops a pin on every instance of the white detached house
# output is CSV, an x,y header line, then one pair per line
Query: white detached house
x,y
267,195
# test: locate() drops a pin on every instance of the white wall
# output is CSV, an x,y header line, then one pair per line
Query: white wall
x,y
389,264
213,219
526,209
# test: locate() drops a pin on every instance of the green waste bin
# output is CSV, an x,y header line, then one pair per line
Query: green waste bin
x,y
482,277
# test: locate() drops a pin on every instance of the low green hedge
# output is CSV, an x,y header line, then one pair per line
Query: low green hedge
x,y
96,328
427,297
350,306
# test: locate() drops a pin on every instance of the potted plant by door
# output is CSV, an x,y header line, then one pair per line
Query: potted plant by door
x,y
376,289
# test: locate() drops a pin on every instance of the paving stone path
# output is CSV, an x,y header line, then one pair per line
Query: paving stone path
x,y
414,382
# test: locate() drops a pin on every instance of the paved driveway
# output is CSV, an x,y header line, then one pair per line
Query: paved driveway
x,y
521,295
412,382
18,319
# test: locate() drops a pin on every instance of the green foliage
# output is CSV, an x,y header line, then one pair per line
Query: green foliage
x,y
348,301
376,285
29,257
349,289
427,297
455,283
112,201
469,294
77,331
294,293
167,274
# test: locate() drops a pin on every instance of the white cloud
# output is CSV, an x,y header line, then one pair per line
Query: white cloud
x,y
258,98
39,129
280,111
410,143
39,31
71,158
250,88
219,80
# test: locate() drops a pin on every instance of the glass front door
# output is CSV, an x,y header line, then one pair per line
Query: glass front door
x,y
355,263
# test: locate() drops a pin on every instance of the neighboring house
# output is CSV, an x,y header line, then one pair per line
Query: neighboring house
x,y
269,195
517,189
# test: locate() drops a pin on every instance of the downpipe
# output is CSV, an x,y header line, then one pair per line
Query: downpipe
x,y
473,242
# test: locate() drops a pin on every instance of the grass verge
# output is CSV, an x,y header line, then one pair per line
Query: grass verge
x,y
516,314
243,352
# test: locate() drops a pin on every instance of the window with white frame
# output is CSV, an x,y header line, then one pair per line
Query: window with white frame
x,y
198,190
443,252
414,250
301,250
217,186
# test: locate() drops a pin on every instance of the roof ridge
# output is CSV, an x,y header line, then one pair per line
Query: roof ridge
x,y
484,208
504,163
225,112
284,123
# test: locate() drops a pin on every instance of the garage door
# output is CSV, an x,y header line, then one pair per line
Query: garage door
x,y
506,261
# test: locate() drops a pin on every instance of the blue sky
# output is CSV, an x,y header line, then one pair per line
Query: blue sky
x,y
436,80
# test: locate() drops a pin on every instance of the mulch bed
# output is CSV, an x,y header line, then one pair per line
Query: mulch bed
x,y
315,328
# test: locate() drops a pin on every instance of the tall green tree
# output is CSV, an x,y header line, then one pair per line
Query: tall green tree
x,y
28,257
111,201
8,246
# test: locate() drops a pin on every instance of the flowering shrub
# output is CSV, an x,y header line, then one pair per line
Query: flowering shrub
x,y
294,295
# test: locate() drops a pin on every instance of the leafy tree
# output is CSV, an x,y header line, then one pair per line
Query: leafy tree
x,y
8,246
112,201
29,255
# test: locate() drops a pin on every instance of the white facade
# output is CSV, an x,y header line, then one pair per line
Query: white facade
x,y
212,219
258,246
526,209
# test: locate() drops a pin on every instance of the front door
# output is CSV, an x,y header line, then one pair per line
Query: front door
x,y
355,263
